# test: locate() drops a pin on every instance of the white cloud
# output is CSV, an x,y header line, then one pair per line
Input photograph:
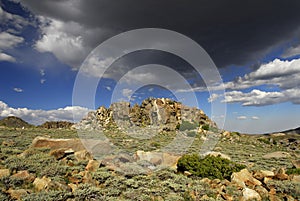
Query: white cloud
x,y
19,90
42,72
17,21
213,97
260,98
8,40
37,117
255,118
292,51
42,81
127,93
6,57
241,117
64,40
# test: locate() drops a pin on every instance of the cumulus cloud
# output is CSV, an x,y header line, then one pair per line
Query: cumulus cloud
x,y
38,117
127,93
281,74
241,117
292,51
6,57
255,118
19,90
64,40
213,97
8,18
8,41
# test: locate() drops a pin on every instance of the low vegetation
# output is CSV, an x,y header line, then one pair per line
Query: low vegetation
x,y
210,166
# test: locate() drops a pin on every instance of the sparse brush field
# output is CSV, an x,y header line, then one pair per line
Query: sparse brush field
x,y
68,179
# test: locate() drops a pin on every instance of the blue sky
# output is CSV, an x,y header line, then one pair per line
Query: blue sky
x,y
43,46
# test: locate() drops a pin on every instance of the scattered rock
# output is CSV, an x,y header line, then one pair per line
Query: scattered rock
x,y
41,183
4,173
277,154
92,165
296,163
226,134
61,153
261,174
158,158
83,155
244,177
296,178
17,194
251,195
24,175
281,175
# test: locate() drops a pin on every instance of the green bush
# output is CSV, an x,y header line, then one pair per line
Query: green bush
x,y
186,125
210,166
205,127
293,171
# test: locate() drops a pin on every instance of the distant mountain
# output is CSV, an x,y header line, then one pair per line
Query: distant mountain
x,y
14,122
56,124
292,131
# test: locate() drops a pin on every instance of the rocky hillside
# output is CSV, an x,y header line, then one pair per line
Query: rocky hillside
x,y
14,122
164,113
56,124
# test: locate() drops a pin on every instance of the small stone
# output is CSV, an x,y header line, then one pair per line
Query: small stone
x,y
4,173
281,175
249,194
17,194
296,178
187,173
244,177
92,165
24,175
83,155
41,183
73,186
296,163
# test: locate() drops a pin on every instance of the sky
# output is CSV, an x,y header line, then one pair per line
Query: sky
x,y
53,53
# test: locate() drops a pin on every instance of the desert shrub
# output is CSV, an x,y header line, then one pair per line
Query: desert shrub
x,y
186,125
88,192
48,196
35,163
205,127
264,140
293,171
10,182
286,187
210,166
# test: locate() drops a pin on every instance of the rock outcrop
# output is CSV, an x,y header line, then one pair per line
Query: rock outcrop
x,y
14,122
57,125
162,113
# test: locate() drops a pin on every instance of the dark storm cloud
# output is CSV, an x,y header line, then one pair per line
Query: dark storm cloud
x,y
232,32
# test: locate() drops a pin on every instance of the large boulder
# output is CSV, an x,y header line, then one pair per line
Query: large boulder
x,y
158,158
243,178
74,144
250,195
